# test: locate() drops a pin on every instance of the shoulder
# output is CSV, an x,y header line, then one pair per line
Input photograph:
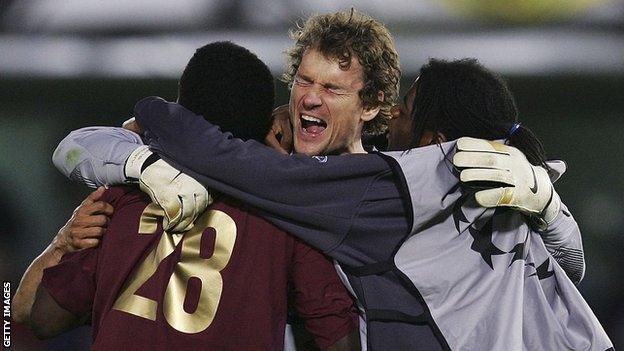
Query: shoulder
x,y
245,216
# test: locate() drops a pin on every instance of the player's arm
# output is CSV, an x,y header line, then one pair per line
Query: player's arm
x,y
83,230
64,298
563,241
297,191
525,188
313,198
322,300
262,177
49,319
25,294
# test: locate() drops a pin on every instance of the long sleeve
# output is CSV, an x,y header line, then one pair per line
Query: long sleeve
x,y
315,198
564,243
319,194
96,155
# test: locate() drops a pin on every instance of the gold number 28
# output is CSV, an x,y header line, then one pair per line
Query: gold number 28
x,y
207,270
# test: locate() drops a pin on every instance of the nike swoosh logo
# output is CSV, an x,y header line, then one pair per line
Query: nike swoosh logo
x,y
534,187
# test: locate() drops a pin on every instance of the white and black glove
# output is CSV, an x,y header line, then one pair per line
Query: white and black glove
x,y
512,181
182,198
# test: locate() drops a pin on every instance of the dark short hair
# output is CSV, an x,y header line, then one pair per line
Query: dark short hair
x,y
231,87
463,98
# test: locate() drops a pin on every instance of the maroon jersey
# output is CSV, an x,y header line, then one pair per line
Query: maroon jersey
x,y
220,286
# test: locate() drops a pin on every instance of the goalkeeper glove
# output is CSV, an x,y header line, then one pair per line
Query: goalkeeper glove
x,y
182,198
516,183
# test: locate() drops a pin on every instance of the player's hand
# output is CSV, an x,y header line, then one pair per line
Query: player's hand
x,y
182,198
280,136
87,224
512,181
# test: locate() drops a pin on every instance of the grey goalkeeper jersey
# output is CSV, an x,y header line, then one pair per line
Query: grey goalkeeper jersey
x,y
431,270
487,278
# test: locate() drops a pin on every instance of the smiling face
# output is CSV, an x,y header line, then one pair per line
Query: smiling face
x,y
326,111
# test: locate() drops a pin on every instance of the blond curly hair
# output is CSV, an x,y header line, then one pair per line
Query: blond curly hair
x,y
342,35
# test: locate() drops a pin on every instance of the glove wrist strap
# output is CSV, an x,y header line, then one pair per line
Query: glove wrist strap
x,y
134,163
550,212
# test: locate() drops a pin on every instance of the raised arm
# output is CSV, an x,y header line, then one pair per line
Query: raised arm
x,y
190,142
83,230
320,195
25,294
315,198
282,184
312,197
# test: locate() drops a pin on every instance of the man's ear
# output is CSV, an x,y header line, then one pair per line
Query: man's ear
x,y
369,111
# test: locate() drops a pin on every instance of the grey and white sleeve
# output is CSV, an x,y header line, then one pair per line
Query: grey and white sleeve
x,y
96,156
564,243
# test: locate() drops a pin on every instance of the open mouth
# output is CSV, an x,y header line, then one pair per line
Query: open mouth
x,y
312,125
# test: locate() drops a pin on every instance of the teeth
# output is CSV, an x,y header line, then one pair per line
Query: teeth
x,y
311,119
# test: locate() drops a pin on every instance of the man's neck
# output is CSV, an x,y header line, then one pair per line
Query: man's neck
x,y
355,148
